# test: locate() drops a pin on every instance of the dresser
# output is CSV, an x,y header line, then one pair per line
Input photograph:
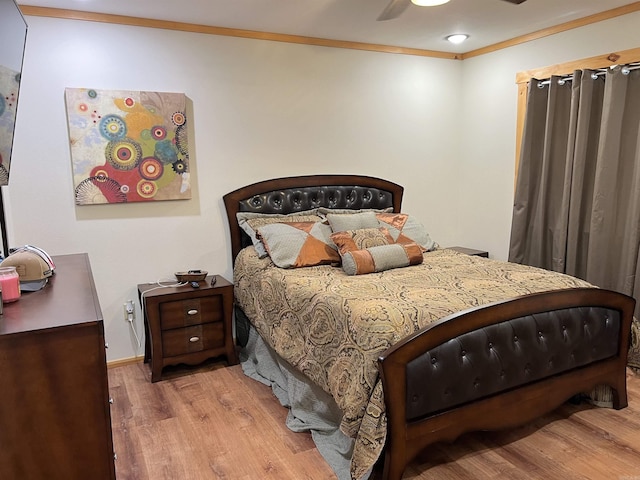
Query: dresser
x,y
187,324
55,420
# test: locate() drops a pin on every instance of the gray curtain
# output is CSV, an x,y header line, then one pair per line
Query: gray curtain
x,y
577,202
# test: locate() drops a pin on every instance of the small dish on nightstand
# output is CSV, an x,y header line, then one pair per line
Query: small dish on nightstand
x,y
191,276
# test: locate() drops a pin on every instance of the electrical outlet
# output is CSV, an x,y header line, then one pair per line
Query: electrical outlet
x,y
129,311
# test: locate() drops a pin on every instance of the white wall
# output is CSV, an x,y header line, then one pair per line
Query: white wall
x,y
258,110
489,96
443,129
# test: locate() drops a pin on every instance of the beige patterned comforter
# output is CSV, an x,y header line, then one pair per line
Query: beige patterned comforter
x,y
332,327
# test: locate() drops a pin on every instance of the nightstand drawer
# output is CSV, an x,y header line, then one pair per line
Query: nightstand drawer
x,y
193,339
192,311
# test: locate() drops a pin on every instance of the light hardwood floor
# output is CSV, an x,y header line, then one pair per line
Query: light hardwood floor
x,y
212,422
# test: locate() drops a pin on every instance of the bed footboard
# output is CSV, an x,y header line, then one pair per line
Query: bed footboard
x,y
501,366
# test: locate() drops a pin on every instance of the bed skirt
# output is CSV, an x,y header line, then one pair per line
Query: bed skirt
x,y
311,409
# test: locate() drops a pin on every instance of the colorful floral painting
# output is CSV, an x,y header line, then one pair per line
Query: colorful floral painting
x,y
128,146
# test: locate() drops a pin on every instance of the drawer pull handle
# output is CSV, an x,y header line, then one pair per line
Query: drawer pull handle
x,y
194,339
192,312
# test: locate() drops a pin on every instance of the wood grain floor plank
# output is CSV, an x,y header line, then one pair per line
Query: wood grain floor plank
x,y
213,423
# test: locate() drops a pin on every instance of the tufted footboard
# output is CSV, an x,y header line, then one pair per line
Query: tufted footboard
x,y
502,365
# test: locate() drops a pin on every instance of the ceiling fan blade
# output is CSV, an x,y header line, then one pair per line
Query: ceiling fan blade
x,y
394,9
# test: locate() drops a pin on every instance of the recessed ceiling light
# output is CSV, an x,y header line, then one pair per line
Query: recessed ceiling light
x,y
429,3
457,38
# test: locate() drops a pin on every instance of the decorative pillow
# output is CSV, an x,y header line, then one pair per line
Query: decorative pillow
x,y
354,221
380,258
249,222
298,244
406,229
361,238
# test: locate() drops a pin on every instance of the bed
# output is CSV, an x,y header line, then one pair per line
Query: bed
x,y
381,365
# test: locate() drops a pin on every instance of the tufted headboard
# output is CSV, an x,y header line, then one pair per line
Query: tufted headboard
x,y
297,194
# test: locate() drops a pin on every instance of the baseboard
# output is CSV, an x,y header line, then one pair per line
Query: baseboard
x,y
125,361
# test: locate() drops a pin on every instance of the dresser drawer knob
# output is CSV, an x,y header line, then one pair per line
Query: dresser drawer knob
x,y
194,339
192,312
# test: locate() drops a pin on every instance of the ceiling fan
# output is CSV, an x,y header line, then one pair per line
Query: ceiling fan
x,y
396,7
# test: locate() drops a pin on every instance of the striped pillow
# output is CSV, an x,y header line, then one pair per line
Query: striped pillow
x,y
381,258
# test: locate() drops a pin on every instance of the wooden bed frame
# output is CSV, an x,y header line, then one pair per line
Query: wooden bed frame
x,y
529,354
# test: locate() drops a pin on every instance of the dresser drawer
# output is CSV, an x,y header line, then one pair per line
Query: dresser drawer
x,y
192,339
192,311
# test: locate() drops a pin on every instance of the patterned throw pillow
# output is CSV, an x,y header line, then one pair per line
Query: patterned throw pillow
x,y
380,258
402,227
298,244
406,229
249,222
361,238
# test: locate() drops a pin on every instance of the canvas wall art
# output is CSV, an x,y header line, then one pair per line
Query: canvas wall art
x,y
128,146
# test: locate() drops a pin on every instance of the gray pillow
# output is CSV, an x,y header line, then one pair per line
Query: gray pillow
x,y
353,221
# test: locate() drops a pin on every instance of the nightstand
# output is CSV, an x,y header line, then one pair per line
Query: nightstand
x,y
470,251
186,324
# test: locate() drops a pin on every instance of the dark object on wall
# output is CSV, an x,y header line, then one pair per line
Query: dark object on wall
x,y
13,36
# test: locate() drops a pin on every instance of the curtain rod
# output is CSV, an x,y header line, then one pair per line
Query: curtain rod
x,y
625,70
